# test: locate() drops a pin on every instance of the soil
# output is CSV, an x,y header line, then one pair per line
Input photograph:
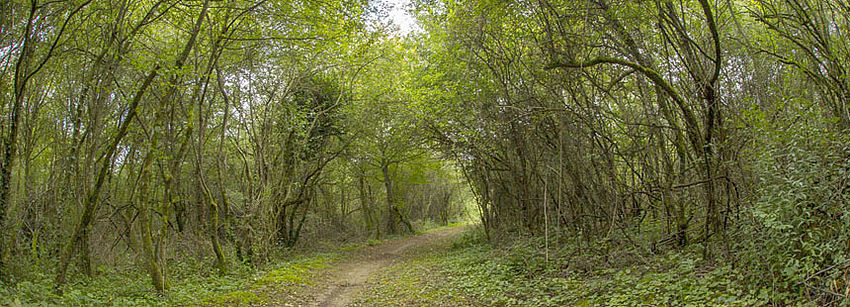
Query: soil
x,y
348,278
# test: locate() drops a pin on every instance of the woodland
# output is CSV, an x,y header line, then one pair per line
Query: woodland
x,y
180,146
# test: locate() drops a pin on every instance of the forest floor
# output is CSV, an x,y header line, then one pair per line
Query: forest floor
x,y
351,276
329,273
456,266
448,266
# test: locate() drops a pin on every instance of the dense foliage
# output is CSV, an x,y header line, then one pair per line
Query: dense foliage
x,y
151,134
143,135
472,272
655,126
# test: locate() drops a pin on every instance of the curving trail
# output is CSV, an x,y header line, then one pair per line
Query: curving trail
x,y
350,276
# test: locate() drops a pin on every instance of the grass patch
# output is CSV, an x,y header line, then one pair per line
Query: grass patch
x,y
236,298
297,272
282,282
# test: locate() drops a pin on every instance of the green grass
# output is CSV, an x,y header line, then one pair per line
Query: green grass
x,y
125,286
466,272
190,283
236,298
281,283
296,272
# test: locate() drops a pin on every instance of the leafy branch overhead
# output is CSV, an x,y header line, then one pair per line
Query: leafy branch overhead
x,y
605,152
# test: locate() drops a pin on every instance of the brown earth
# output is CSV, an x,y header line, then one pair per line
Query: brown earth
x,y
348,277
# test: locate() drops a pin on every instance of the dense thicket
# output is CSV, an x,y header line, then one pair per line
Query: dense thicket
x,y
638,127
146,132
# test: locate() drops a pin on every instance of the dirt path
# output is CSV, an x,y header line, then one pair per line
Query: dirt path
x,y
349,278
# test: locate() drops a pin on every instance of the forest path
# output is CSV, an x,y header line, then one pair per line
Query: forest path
x,y
348,278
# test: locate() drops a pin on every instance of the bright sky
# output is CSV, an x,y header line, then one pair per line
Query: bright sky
x,y
399,15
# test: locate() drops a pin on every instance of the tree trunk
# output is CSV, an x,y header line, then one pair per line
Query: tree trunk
x,y
394,211
365,206
91,204
149,253
10,141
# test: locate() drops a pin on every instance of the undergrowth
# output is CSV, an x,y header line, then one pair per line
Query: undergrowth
x,y
520,275
191,282
471,271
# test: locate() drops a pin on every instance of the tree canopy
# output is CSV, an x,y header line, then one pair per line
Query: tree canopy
x,y
141,133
